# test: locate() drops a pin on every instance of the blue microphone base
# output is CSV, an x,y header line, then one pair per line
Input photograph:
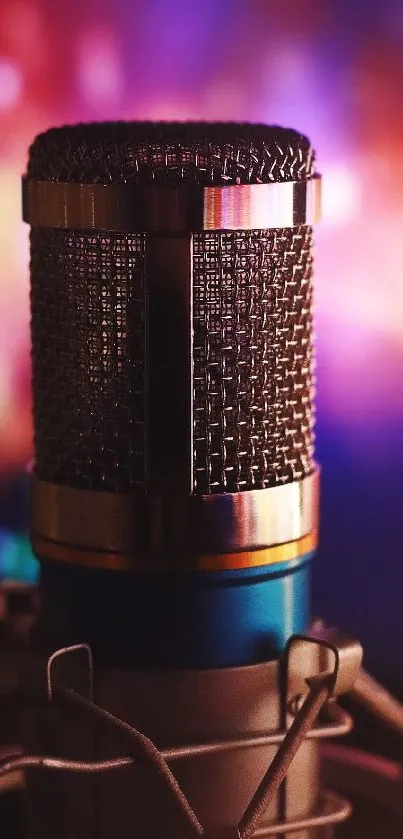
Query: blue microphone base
x,y
177,620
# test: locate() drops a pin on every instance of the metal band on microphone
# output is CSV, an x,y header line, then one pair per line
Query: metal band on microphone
x,y
162,531
189,208
109,561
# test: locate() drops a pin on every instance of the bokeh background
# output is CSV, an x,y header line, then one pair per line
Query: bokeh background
x,y
334,70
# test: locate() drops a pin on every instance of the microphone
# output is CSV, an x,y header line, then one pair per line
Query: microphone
x,y
174,491
175,685
174,487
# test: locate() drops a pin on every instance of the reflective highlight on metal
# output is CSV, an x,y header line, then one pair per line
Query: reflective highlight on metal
x,y
262,206
51,763
137,208
167,528
260,518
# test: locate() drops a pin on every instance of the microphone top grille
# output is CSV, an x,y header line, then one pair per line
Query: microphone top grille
x,y
171,152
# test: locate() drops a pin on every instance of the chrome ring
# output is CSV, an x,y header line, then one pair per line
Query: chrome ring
x,y
259,518
262,206
152,208
175,526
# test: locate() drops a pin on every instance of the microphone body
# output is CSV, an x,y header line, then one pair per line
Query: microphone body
x,y
174,492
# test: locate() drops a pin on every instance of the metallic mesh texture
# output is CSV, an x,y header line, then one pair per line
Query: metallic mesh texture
x,y
253,415
253,371
141,152
88,329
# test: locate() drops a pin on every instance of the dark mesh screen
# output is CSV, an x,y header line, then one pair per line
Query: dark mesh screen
x,y
252,316
87,304
253,390
214,153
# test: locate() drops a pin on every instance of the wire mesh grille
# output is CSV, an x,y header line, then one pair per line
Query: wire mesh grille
x,y
253,377
253,392
211,153
88,324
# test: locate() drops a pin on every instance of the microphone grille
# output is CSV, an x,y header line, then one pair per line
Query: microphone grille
x,y
253,358
252,319
141,152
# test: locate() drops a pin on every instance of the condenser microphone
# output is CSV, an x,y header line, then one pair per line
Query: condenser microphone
x,y
174,486
175,686
174,489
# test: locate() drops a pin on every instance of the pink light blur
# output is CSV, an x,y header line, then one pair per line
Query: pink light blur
x,y
99,68
11,84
